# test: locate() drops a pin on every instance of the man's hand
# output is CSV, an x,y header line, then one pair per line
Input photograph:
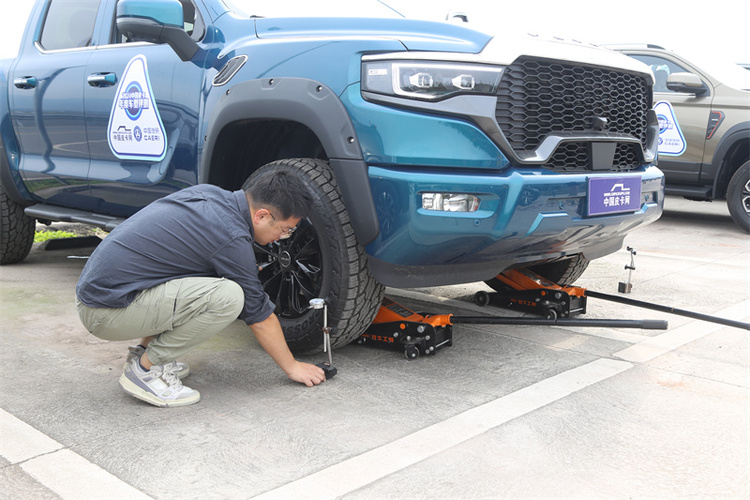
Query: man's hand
x,y
271,338
307,374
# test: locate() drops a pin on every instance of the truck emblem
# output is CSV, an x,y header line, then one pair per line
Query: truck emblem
x,y
285,260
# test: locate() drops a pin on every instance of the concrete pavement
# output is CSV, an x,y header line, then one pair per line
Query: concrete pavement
x,y
506,412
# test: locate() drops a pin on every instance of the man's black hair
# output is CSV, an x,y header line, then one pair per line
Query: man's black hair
x,y
279,189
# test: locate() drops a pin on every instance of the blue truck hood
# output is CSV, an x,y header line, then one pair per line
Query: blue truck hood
x,y
413,34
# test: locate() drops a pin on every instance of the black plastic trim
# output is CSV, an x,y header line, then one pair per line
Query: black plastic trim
x,y
7,181
739,132
184,46
55,213
354,183
699,192
317,107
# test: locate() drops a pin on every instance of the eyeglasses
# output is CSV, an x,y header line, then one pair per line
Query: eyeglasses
x,y
284,234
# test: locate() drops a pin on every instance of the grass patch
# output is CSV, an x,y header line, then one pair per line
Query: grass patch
x,y
40,236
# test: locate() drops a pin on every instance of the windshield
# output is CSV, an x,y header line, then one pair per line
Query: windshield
x,y
730,74
310,8
725,71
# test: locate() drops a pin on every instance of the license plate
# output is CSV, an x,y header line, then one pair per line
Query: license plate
x,y
614,195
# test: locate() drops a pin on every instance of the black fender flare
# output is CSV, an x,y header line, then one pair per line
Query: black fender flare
x,y
737,133
11,180
318,108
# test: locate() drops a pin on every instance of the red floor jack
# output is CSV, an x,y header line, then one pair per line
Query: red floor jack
x,y
548,299
397,327
529,292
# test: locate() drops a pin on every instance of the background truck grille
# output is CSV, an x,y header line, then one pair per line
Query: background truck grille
x,y
537,98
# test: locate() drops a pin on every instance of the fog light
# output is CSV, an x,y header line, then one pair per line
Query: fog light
x,y
450,202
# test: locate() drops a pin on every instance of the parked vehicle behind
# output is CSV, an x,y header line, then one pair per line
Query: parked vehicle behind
x,y
704,119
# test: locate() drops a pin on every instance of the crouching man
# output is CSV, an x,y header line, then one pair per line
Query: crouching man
x,y
182,269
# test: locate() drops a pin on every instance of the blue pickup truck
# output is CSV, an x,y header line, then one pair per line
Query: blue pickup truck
x,y
436,154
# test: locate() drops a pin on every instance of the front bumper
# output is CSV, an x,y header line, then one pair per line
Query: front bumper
x,y
525,216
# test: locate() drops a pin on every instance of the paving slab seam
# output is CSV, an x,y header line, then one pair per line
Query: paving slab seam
x,y
654,347
361,470
679,373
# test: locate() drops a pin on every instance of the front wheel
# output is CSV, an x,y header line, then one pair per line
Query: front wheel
x,y
16,231
738,197
321,259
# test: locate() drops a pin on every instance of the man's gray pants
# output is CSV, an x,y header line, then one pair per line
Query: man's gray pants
x,y
179,314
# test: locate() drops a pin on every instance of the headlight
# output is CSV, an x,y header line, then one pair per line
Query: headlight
x,y
429,80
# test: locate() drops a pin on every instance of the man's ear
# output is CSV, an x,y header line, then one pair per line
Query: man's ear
x,y
259,215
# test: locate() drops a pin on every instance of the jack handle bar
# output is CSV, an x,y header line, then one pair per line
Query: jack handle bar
x,y
646,324
668,309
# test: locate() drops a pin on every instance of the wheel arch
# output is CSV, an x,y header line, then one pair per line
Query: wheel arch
x,y
10,178
733,151
259,121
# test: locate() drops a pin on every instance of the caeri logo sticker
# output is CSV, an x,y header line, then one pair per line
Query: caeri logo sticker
x,y
135,128
671,140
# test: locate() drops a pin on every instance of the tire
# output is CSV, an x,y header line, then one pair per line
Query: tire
x,y
738,197
321,259
563,272
16,231
482,298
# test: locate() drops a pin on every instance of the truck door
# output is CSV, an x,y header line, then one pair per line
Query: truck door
x,y
142,105
46,102
682,164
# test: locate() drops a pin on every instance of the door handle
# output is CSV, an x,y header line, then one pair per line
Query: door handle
x,y
25,82
102,79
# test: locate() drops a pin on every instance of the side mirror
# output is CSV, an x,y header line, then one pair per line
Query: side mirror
x,y
156,21
456,16
686,82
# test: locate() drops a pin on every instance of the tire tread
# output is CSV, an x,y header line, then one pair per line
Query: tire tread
x,y
16,231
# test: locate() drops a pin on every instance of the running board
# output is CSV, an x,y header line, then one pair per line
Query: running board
x,y
61,214
690,192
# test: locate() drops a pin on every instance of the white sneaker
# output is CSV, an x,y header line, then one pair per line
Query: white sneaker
x,y
182,370
158,386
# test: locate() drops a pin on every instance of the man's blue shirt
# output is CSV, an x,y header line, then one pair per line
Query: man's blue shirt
x,y
199,231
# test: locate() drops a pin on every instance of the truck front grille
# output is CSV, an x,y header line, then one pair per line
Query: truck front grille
x,y
538,98
576,157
